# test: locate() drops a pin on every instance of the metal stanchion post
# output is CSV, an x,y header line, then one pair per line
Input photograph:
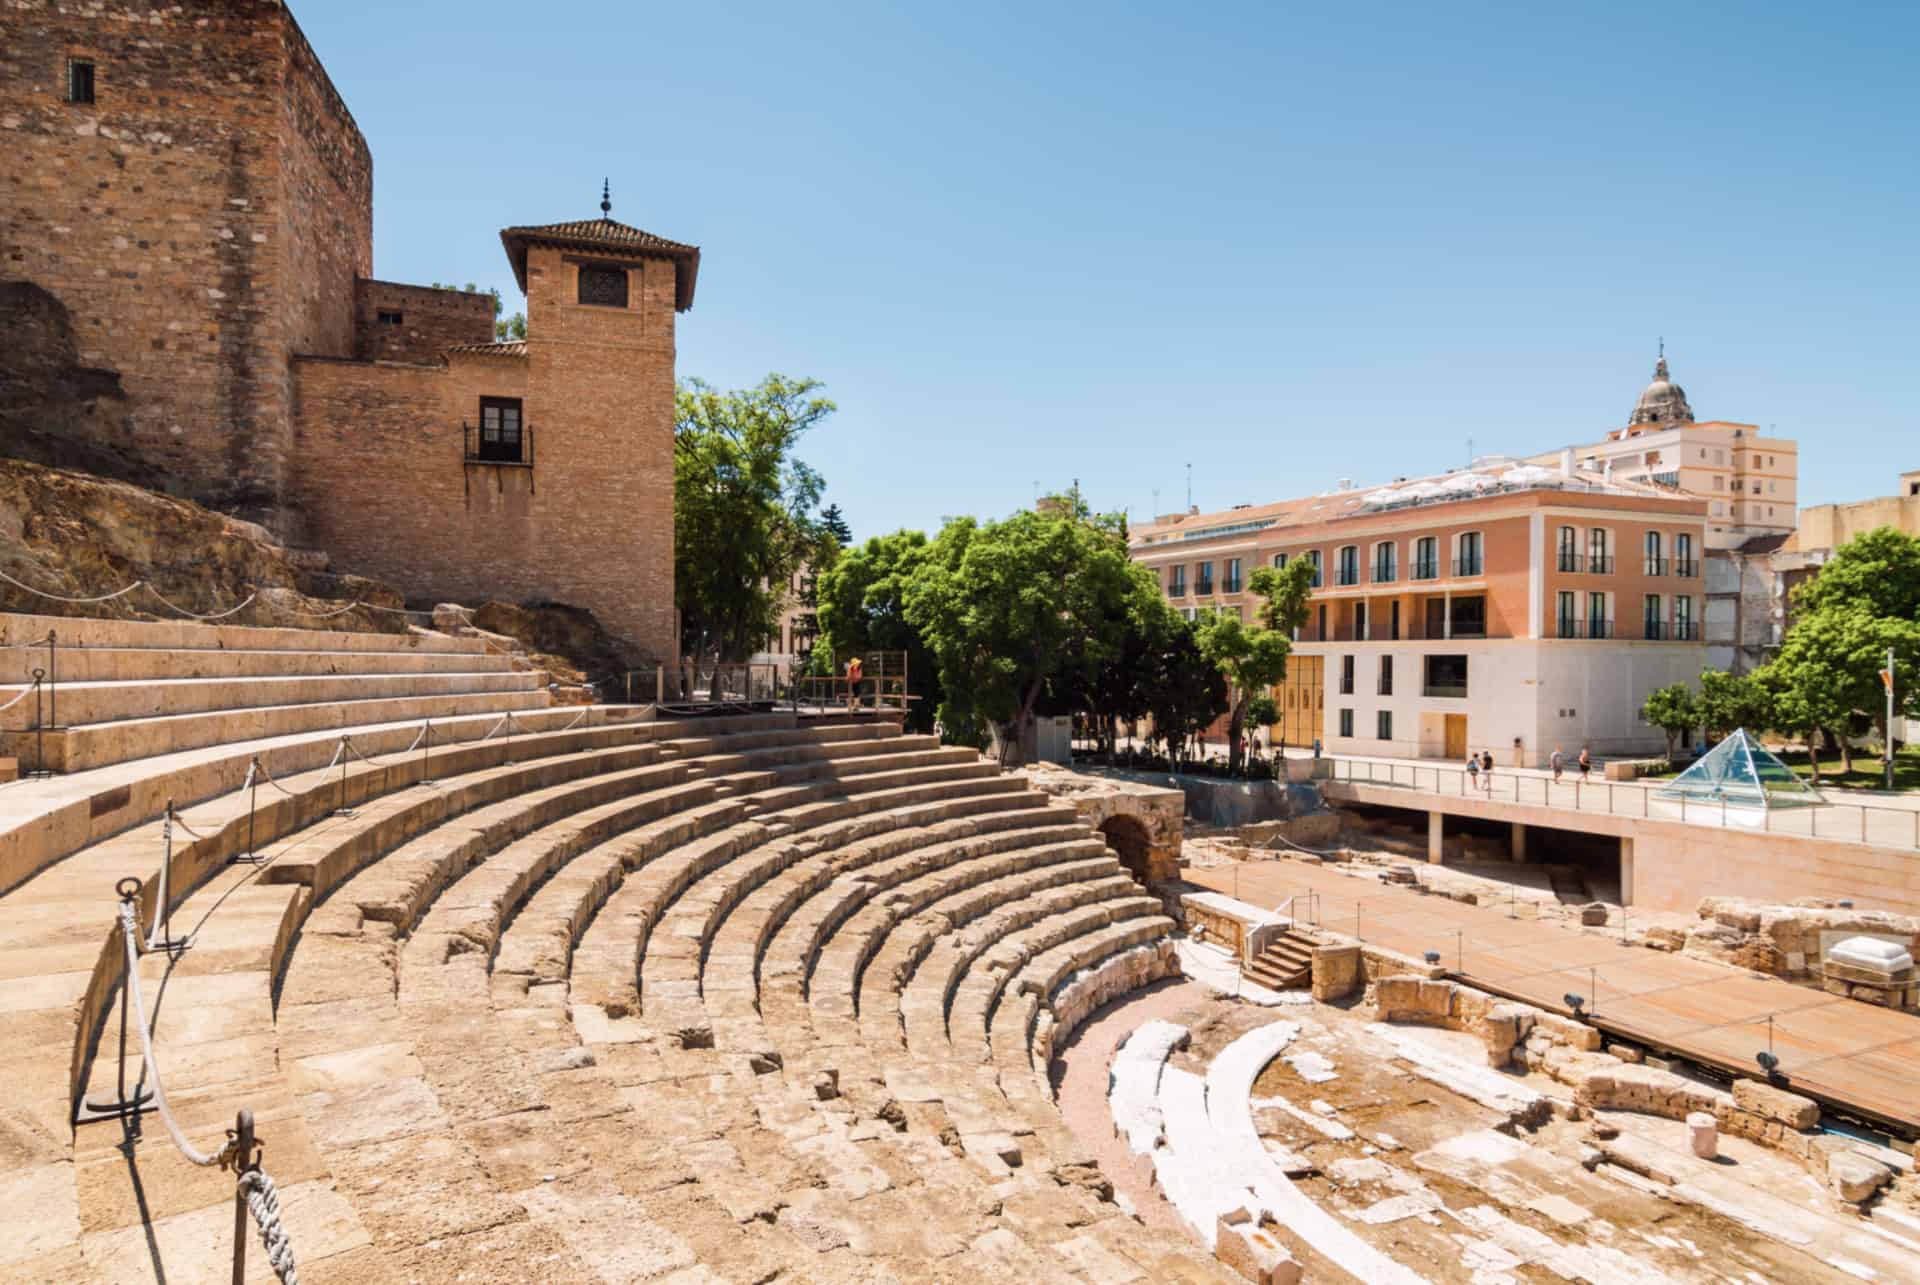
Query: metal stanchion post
x,y
244,1159
120,1104
426,752
162,937
341,809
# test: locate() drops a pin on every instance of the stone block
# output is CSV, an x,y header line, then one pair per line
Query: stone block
x,y
1774,1103
1337,972
1703,1134
1414,999
1855,1177
1253,1251
1593,915
1506,1026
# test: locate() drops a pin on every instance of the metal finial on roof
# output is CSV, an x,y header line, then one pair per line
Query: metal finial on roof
x,y
606,199
1663,345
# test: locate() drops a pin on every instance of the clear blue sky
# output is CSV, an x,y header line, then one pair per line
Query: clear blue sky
x,y
1290,243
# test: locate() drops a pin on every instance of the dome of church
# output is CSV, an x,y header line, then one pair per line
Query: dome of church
x,y
1663,402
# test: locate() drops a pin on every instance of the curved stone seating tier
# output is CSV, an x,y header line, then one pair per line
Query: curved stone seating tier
x,y
607,974
966,927
81,632
634,1001
77,665
85,705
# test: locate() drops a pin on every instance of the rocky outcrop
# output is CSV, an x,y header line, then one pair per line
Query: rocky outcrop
x,y
81,536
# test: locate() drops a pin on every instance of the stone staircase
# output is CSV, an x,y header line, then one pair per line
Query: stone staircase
x,y
592,997
1286,964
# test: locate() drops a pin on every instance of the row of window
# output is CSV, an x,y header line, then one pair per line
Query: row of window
x,y
1382,724
1441,676
1656,625
1203,579
1598,557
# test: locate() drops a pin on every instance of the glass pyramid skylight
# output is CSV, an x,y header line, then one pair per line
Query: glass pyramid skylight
x,y
1744,774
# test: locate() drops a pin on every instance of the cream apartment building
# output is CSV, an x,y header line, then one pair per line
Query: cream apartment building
x,y
1509,607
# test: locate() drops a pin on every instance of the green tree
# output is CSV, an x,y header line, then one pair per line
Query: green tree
x,y
1808,702
862,607
836,526
1728,701
742,509
1879,571
1254,658
1184,691
1674,710
1829,668
1009,607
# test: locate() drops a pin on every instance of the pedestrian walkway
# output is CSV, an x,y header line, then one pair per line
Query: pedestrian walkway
x,y
1883,819
1847,1054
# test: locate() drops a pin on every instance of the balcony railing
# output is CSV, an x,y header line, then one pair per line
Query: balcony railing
x,y
1686,568
1427,570
1466,566
1571,563
1567,628
1449,690
1204,589
1178,589
1383,574
1348,576
1656,566
1599,564
1230,585
500,448
1654,630
1684,631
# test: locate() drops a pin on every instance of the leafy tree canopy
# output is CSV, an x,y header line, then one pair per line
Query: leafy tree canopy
x,y
1009,607
862,608
1672,709
836,526
1728,701
743,505
1879,571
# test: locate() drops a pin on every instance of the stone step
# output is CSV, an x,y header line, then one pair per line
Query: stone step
x,y
966,931
1035,956
66,912
78,748
110,664
730,976
80,631
45,820
86,705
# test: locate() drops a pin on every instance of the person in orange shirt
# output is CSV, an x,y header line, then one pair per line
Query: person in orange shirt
x,y
853,682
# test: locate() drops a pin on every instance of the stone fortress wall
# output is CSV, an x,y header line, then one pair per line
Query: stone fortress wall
x,y
203,218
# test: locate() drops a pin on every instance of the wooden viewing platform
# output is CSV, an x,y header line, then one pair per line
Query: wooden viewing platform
x,y
1853,1057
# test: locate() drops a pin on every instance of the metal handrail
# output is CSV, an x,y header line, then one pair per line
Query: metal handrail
x,y
1853,822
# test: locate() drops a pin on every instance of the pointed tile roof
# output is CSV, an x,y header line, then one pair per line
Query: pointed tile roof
x,y
606,236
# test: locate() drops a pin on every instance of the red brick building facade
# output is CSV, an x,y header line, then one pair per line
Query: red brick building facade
x,y
188,185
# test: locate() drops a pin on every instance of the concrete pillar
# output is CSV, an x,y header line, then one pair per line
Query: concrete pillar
x,y
1626,871
1519,841
1446,620
1435,823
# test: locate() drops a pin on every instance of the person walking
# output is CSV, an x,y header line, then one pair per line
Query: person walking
x,y
1557,762
1486,770
853,682
1473,770
1586,762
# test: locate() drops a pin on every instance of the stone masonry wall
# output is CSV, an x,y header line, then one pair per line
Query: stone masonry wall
x,y
202,218
431,321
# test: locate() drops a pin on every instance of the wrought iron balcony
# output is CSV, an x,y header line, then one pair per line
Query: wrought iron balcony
x,y
1467,566
1424,570
1565,627
1656,566
497,447
1686,568
1572,563
1599,564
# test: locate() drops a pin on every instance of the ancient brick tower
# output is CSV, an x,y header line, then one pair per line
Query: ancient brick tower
x,y
186,213
541,469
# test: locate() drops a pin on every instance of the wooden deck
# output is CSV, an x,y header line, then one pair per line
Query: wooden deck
x,y
1858,1058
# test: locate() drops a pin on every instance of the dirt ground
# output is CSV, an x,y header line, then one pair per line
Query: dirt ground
x,y
1443,1184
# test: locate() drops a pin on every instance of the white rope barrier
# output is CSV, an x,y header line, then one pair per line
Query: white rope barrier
x,y
130,930
60,597
37,642
29,690
263,1202
218,615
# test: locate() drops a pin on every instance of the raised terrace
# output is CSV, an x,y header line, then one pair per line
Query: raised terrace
x,y
528,993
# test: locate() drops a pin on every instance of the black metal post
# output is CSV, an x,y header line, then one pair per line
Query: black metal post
x,y
39,725
252,855
243,1161
53,678
426,750
342,810
120,1104
164,910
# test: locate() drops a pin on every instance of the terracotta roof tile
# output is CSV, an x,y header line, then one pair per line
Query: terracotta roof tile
x,y
605,234
511,348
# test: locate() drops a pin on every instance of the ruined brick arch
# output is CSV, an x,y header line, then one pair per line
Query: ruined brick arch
x,y
1128,838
